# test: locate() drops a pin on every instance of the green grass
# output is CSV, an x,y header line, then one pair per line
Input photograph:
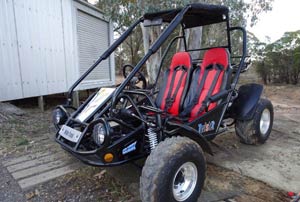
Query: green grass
x,y
21,141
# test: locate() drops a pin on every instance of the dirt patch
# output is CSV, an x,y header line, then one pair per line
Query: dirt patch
x,y
287,96
18,134
247,189
9,112
86,184
220,184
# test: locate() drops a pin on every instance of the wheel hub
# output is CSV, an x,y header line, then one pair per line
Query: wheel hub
x,y
265,121
184,181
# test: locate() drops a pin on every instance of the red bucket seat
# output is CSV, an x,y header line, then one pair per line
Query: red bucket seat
x,y
207,80
175,82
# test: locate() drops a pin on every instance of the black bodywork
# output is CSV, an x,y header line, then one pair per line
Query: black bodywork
x,y
128,126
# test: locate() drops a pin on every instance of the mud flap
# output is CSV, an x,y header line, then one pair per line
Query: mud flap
x,y
244,105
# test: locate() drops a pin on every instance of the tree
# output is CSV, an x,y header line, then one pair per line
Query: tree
x,y
281,59
150,34
262,70
124,11
238,15
296,65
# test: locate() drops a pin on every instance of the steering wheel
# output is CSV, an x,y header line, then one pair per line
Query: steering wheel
x,y
138,77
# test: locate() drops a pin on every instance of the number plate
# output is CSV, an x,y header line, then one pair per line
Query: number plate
x,y
70,133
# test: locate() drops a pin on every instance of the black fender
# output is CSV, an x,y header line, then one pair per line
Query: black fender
x,y
187,131
243,107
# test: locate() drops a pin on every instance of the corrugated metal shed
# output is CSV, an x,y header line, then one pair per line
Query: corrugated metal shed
x,y
46,45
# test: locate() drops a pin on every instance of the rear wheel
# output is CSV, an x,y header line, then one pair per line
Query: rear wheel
x,y
258,129
174,171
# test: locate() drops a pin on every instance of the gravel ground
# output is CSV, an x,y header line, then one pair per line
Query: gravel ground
x,y
86,184
10,190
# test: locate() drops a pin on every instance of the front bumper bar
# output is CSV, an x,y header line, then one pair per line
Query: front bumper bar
x,y
96,157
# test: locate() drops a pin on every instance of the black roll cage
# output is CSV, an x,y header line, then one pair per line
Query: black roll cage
x,y
156,45
187,17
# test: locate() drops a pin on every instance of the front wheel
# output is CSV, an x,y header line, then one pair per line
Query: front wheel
x,y
258,129
174,171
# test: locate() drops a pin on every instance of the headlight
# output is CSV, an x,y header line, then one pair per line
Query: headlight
x,y
99,133
59,117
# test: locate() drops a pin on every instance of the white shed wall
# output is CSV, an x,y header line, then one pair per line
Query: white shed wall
x,y
39,47
10,76
70,42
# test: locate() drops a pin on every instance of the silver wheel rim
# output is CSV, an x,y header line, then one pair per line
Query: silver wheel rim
x,y
184,181
265,120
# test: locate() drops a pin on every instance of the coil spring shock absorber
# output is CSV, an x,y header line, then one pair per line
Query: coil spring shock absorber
x,y
152,136
151,133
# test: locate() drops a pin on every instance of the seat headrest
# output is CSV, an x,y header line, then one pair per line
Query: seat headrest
x,y
216,56
181,59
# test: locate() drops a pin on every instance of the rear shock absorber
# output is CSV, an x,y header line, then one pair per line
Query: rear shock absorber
x,y
152,136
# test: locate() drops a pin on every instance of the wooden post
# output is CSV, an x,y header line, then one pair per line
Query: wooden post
x,y
76,99
41,103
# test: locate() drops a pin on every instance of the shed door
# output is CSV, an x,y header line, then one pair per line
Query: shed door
x,y
93,40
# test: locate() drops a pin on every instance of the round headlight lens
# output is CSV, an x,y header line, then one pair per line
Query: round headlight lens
x,y
99,133
59,117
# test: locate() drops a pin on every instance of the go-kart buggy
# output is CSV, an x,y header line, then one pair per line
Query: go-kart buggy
x,y
172,123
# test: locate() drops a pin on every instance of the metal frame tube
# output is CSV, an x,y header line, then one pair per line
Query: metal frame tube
x,y
161,39
164,56
244,54
228,33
